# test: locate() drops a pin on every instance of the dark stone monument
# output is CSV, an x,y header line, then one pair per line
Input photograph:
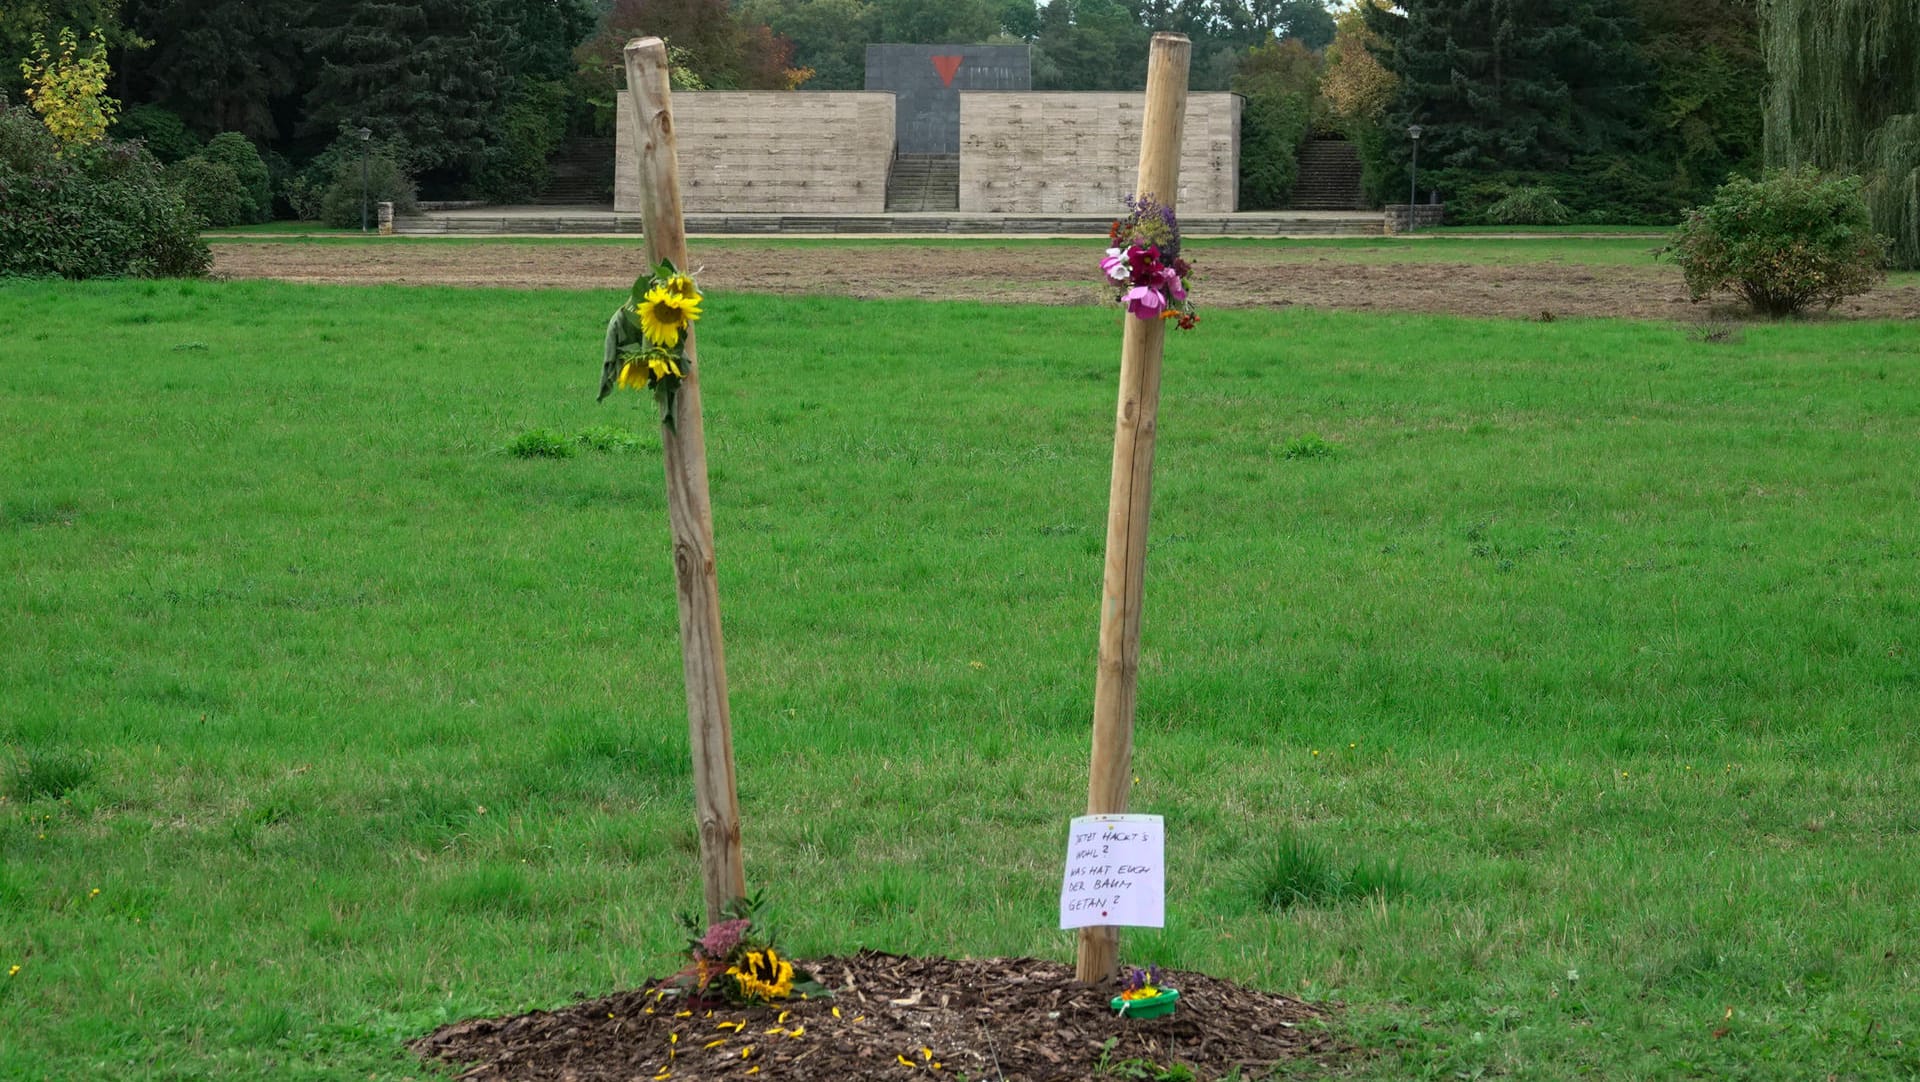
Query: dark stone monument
x,y
926,81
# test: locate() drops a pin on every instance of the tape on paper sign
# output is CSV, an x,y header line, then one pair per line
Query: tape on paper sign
x,y
1116,872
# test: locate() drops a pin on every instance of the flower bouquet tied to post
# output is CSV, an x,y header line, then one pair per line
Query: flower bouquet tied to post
x,y
647,336
1143,996
734,962
1144,264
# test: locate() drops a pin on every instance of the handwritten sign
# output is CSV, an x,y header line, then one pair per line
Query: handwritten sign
x,y
1116,872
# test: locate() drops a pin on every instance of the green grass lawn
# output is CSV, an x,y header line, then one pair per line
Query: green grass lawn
x,y
1544,692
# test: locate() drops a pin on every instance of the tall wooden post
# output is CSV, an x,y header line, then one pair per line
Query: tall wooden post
x,y
1132,491
722,870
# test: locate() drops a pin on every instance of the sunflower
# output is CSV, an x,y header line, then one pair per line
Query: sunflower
x,y
763,975
633,374
665,316
662,365
682,286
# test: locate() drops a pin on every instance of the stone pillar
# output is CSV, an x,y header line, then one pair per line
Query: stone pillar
x,y
386,219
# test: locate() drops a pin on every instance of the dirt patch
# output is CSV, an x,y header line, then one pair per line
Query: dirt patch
x,y
893,1017
1241,277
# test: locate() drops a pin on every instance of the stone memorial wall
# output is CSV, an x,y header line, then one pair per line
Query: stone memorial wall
x,y
1079,153
770,152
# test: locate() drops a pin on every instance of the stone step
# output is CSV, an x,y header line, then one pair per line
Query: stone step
x,y
1091,226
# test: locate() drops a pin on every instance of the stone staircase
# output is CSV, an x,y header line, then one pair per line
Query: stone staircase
x,y
923,182
582,175
1329,176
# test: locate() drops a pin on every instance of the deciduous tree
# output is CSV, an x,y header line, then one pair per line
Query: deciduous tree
x,y
1844,95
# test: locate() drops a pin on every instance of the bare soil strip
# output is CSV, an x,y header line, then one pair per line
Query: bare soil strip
x,y
1228,278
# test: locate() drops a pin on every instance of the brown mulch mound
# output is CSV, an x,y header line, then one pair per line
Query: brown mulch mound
x,y
1230,277
1018,1019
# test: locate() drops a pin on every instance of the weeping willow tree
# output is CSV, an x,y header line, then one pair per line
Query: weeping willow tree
x,y
1844,95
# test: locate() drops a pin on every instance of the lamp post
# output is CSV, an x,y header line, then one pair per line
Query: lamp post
x,y
1413,176
366,137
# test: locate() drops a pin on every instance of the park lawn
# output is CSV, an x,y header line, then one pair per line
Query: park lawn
x,y
1543,692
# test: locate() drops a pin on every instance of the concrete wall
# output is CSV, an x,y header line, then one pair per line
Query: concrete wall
x,y
1079,153
770,152
927,81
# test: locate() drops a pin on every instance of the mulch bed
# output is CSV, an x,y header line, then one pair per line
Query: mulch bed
x,y
894,1017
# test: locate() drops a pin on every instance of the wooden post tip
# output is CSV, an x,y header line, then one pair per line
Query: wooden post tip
x,y
1170,38
646,45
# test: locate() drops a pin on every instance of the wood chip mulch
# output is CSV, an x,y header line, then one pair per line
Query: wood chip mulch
x,y
894,1017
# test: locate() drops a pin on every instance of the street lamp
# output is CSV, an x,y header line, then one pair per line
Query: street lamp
x,y
366,137
1413,176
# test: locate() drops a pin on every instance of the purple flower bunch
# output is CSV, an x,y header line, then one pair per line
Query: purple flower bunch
x,y
1144,264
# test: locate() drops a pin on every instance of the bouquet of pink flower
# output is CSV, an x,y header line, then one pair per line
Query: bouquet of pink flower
x,y
1144,264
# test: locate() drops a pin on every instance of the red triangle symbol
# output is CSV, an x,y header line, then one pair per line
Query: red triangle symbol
x,y
948,67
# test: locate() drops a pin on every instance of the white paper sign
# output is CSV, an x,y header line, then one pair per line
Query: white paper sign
x,y
1116,872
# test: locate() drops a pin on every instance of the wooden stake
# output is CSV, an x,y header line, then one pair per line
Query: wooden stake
x,y
1132,491
722,870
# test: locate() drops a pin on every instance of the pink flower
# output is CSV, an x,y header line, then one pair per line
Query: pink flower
x,y
723,937
1115,265
1144,302
1170,281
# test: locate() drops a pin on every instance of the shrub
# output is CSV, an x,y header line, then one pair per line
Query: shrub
x,y
164,133
237,153
98,211
328,188
1272,127
515,167
211,190
1534,204
1781,243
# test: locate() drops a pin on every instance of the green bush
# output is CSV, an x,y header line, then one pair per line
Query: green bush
x,y
1533,204
234,151
1272,127
515,167
212,191
101,211
164,133
328,188
1781,243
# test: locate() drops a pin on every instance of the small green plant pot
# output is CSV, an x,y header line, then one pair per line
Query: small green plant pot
x,y
1154,1007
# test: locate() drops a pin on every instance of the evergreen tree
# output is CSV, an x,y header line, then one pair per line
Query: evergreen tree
x,y
432,75
1515,87
1844,95
220,65
1703,117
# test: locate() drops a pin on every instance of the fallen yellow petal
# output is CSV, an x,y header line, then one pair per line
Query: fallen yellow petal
x,y
684,1014
715,1041
735,1026
797,1031
784,1014
836,1012
926,1054
673,1038
747,1051
904,1061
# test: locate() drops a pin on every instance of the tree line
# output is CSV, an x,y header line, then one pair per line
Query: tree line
x,y
1594,110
